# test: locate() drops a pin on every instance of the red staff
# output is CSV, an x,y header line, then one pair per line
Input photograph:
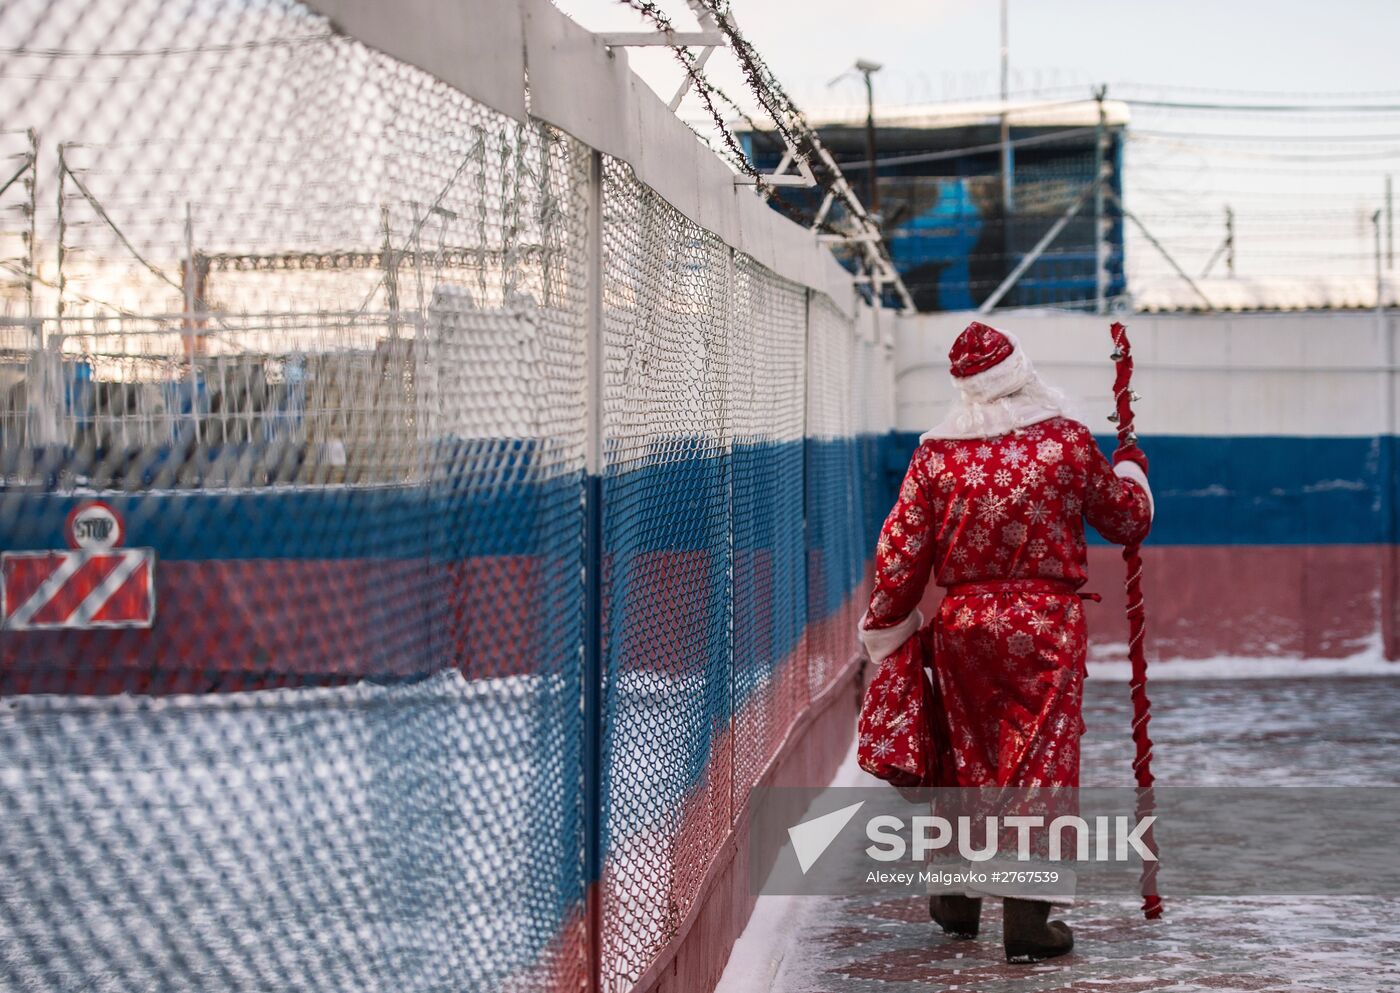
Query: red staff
x,y
1123,397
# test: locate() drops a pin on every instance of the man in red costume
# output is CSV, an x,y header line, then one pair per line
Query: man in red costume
x,y
993,507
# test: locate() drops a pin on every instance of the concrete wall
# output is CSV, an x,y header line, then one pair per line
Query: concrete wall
x,y
1273,447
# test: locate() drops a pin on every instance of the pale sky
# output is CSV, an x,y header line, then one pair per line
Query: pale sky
x,y
1303,185
941,49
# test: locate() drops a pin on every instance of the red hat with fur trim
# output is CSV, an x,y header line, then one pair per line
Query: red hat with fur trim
x,y
988,364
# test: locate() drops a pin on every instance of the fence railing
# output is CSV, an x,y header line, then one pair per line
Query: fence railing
x,y
508,479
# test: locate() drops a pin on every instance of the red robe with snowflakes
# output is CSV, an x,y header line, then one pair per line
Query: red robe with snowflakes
x,y
1009,661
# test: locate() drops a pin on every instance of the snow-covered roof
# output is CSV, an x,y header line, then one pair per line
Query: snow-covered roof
x,y
1169,295
1072,113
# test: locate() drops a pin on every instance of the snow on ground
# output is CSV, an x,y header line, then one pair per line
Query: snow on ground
x,y
1306,724
406,837
1370,661
366,837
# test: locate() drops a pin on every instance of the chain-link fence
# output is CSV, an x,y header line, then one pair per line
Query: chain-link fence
x,y
295,503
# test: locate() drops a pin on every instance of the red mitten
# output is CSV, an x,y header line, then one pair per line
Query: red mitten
x,y
1131,453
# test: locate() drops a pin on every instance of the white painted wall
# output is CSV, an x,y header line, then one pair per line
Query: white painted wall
x,y
1300,374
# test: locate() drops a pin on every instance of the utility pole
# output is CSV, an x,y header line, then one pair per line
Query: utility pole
x,y
191,335
389,262
1230,241
59,278
872,184
1100,243
1226,248
31,258
1380,270
1008,180
1389,224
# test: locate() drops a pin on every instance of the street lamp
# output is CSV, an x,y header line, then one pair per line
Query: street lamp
x,y
867,68
872,189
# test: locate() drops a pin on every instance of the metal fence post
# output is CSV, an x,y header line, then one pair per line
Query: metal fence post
x,y
593,662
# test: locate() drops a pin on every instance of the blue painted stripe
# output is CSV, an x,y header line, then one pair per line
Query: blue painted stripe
x,y
1260,490
468,514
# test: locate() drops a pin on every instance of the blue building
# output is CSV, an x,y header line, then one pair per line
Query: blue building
x,y
941,197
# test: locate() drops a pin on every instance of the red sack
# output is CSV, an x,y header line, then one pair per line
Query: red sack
x,y
902,736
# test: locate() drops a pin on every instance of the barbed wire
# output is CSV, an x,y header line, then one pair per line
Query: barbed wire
x,y
788,122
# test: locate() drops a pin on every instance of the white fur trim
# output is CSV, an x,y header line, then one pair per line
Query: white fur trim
x,y
1002,379
1133,471
1033,403
881,643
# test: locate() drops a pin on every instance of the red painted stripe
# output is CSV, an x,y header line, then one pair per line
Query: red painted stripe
x,y
248,624
130,600
24,575
76,589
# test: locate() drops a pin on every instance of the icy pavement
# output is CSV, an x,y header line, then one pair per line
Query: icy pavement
x,y
1320,730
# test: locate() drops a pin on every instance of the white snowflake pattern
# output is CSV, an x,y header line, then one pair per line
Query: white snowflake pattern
x,y
1073,504
1051,567
1033,475
883,747
1063,474
964,618
959,555
1081,453
1018,494
979,538
935,463
910,490
996,620
1037,548
984,452
991,508
947,481
914,515
961,455
974,475
1020,643
1049,450
1013,533
913,544
1002,478
1040,623
1038,512
1014,454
